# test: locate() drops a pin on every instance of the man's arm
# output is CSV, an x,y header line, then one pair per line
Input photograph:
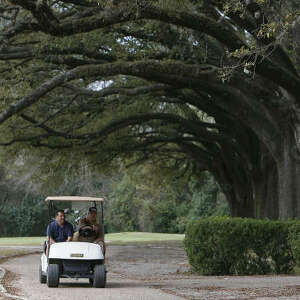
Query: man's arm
x,y
82,222
99,237
52,241
50,234
70,232
97,240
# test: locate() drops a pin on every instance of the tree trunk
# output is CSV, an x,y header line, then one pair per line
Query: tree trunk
x,y
275,183
239,197
288,168
273,190
252,194
266,192
243,208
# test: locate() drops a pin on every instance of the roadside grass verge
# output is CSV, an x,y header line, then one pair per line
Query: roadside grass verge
x,y
121,238
22,241
13,252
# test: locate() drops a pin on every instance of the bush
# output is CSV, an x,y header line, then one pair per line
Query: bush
x,y
294,241
164,218
30,218
122,213
236,246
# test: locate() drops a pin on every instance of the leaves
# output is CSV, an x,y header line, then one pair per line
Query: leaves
x,y
190,82
236,246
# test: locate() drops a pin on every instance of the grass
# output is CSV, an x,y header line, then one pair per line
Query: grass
x,y
111,238
22,241
13,252
296,271
142,237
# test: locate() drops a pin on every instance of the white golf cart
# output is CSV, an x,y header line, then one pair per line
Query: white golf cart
x,y
73,259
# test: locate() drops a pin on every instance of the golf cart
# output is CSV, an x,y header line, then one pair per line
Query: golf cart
x,y
73,259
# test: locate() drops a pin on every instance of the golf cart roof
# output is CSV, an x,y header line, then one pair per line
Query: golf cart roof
x,y
73,198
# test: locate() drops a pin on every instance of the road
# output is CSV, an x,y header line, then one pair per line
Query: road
x,y
147,272
22,278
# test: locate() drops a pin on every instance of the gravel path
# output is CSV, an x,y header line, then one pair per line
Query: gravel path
x,y
148,272
118,287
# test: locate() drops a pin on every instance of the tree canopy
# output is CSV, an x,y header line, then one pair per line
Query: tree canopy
x,y
205,85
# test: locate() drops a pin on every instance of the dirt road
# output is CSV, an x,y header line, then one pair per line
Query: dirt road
x,y
148,272
125,279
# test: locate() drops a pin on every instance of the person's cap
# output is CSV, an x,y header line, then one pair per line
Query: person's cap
x,y
93,209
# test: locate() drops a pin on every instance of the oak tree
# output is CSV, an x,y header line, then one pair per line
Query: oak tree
x,y
207,85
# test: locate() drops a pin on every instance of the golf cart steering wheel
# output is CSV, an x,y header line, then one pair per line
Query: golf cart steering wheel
x,y
87,232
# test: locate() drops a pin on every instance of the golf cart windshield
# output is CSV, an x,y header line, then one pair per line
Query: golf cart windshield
x,y
74,198
75,207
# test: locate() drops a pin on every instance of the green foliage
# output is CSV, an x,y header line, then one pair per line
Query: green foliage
x,y
207,201
294,241
236,246
122,214
180,44
161,204
136,200
172,216
30,218
164,219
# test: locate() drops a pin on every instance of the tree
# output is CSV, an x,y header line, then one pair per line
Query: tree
x,y
208,85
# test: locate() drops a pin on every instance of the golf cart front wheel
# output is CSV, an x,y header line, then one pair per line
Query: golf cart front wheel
x,y
43,278
53,275
99,276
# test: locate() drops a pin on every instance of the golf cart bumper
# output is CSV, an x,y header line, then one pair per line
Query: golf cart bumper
x,y
75,251
76,259
78,269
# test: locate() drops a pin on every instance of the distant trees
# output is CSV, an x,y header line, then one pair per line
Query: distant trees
x,y
139,203
22,212
208,85
23,189
134,200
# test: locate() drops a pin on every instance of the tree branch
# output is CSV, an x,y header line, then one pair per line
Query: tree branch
x,y
153,70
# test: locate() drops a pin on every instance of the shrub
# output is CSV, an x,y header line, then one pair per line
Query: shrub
x,y
223,245
294,241
30,218
164,217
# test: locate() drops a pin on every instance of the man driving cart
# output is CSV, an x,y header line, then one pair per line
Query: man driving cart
x,y
89,230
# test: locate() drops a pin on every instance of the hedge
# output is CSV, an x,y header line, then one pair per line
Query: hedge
x,y
294,241
236,246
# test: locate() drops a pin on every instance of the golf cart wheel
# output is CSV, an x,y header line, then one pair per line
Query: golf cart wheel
x,y
43,278
99,276
53,275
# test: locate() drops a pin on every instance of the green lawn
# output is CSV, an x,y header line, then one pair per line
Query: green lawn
x,y
21,241
12,252
142,237
111,238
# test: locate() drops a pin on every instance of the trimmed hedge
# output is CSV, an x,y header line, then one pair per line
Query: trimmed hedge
x,y
294,241
236,246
